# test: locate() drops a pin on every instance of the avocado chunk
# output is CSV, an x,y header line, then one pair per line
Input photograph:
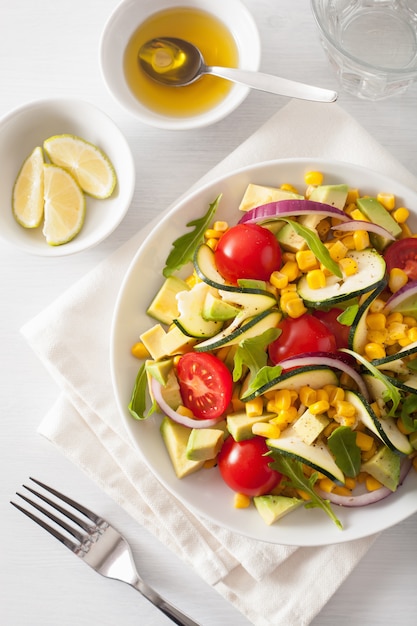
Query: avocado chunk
x,y
378,214
159,369
384,466
153,339
335,195
164,307
290,240
257,195
175,437
413,439
272,508
240,425
204,444
171,391
218,310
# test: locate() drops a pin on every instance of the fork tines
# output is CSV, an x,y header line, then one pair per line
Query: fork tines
x,y
98,522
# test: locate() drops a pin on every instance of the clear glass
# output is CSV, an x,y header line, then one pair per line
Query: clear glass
x,y
372,44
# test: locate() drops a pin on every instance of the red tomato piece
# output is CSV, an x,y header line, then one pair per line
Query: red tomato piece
x,y
340,331
403,254
247,251
206,384
300,335
245,469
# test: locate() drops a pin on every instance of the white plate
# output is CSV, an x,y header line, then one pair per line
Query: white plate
x,y
28,126
204,492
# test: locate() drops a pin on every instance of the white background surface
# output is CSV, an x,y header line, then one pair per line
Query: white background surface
x,y
50,48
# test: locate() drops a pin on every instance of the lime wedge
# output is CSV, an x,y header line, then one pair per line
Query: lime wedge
x,y
64,206
27,196
90,166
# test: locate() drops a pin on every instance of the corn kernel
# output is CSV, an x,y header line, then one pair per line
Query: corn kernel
x,y
348,266
387,200
364,441
374,351
278,279
322,395
412,334
410,321
361,239
401,215
290,288
406,231
352,196
313,178
284,417
323,228
237,404
306,260
330,428
377,336
342,491
307,395
350,207
290,269
288,187
183,410
395,318
350,483
209,463
139,351
372,484
336,394
295,308
212,233
212,243
316,279
338,251
303,494
327,485
357,214
263,429
241,501
376,321
368,454
255,407
377,305
344,408
396,331
319,407
402,428
220,226
192,280
283,399
397,279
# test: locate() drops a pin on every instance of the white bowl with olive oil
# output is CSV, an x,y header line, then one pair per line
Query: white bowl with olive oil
x,y
225,33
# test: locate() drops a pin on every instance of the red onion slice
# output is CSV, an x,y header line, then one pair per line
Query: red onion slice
x,y
180,419
323,358
370,497
363,225
288,208
399,297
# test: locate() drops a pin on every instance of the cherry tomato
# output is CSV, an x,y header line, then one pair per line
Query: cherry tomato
x,y
340,331
247,251
245,469
403,254
300,335
205,384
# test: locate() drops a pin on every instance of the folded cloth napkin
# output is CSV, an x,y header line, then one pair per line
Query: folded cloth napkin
x,y
271,585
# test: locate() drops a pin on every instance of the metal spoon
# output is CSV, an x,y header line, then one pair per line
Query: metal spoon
x,y
176,62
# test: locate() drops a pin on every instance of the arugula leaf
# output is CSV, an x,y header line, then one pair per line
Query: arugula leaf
x,y
184,247
391,392
293,471
347,317
137,404
261,378
342,444
408,411
316,245
252,352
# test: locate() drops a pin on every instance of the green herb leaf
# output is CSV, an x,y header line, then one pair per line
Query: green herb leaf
x,y
264,376
184,247
293,471
342,444
137,404
252,353
316,246
347,317
408,412
412,365
391,392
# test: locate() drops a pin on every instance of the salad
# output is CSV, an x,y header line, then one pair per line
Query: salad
x,y
285,359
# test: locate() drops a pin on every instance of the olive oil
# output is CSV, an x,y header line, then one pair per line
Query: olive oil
x,y
216,44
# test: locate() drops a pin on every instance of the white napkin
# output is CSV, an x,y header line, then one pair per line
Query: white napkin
x,y
270,585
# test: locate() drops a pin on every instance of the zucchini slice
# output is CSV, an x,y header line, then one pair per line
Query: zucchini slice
x,y
358,332
370,273
316,376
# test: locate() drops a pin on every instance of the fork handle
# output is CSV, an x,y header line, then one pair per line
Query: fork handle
x,y
175,615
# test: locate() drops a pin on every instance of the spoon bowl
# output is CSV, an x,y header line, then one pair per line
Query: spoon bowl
x,y
177,63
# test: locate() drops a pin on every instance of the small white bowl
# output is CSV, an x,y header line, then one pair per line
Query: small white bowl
x,y
27,127
130,14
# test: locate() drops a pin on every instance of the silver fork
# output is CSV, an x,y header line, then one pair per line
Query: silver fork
x,y
99,545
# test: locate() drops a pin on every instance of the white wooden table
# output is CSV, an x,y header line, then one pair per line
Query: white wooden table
x,y
50,48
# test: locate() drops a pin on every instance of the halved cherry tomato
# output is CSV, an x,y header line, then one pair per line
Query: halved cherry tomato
x,y
205,384
300,335
245,469
340,331
403,254
247,251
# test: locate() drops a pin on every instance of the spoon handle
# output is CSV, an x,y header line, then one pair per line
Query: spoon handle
x,y
273,84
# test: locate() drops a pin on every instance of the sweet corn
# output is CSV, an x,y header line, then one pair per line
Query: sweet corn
x,y
220,226
263,429
330,428
376,321
364,441
336,394
316,279
401,215
290,269
319,407
303,494
357,214
284,417
255,407
372,484
327,485
352,196
410,321
395,318
306,260
374,351
288,187
377,305
402,428
387,200
295,307
397,279
139,351
209,463
396,331
212,243
192,280
361,239
377,336
348,266
368,454
283,399
338,250
212,233
307,395
322,395
183,410
241,501
406,231
323,229
412,334
313,178
348,241
344,408
350,483
278,279
342,491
